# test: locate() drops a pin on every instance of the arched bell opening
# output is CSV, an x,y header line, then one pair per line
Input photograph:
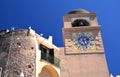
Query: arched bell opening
x,y
80,23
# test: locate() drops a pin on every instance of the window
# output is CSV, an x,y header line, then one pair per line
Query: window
x,y
47,53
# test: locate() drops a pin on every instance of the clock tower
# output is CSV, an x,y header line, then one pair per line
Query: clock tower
x,y
84,48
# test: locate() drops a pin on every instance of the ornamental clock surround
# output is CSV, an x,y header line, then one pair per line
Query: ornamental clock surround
x,y
83,41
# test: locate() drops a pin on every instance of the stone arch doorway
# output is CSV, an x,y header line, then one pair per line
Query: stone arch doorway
x,y
48,71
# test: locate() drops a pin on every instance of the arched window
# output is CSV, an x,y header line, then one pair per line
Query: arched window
x,y
48,71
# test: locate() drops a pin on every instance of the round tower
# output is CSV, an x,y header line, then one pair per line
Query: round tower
x,y
17,53
24,53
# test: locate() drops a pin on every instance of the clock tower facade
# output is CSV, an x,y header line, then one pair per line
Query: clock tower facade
x,y
84,50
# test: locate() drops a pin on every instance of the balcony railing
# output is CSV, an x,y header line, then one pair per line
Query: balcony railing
x,y
51,59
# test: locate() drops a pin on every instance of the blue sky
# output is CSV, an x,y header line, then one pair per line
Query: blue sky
x,y
45,16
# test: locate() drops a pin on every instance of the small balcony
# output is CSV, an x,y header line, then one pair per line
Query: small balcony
x,y
50,58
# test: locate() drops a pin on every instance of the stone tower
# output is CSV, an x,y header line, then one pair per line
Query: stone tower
x,y
84,51
17,54
24,53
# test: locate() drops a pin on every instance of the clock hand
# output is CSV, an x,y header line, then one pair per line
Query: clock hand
x,y
85,43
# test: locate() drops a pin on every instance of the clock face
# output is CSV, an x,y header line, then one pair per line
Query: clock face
x,y
83,41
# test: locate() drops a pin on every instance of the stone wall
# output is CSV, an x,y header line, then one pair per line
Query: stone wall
x,y
4,49
20,54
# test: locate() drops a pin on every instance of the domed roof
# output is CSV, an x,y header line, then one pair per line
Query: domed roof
x,y
78,11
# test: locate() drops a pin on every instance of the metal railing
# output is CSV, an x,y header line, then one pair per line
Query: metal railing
x,y
51,59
